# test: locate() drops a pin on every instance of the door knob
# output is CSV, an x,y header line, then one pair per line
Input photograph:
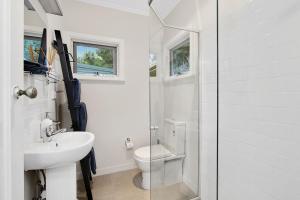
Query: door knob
x,y
30,92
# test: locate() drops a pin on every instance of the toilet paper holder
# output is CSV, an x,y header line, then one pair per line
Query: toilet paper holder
x,y
128,143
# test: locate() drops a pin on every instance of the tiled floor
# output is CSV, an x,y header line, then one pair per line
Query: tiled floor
x,y
174,192
125,186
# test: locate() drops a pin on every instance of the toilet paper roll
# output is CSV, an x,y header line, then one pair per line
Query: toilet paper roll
x,y
129,144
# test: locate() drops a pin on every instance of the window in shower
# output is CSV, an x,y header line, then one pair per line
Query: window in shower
x,y
153,65
179,53
180,58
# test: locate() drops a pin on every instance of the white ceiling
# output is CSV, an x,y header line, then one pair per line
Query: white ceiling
x,y
162,7
134,6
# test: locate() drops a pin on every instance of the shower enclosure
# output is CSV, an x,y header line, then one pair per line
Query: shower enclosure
x,y
174,98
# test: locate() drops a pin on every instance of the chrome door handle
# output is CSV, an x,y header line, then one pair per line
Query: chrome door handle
x,y
30,92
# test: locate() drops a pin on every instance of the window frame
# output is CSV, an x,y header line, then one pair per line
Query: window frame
x,y
93,45
171,45
71,37
171,52
157,73
31,37
33,32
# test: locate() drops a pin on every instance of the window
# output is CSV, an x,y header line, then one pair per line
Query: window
x,y
34,43
180,58
153,65
95,59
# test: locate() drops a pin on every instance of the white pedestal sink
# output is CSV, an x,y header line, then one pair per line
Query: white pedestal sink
x,y
59,158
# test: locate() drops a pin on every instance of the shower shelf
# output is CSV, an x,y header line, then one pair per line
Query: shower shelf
x,y
48,77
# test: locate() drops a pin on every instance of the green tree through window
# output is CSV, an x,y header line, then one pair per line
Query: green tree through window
x,y
35,43
95,59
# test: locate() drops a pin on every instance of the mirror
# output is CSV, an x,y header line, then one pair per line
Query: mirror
x,y
35,38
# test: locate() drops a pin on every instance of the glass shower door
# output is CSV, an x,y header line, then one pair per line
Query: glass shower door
x,y
174,98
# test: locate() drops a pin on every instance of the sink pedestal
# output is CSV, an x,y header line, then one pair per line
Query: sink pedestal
x,y
61,183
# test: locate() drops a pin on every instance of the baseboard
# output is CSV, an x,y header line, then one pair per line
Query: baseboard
x,y
115,169
111,170
192,186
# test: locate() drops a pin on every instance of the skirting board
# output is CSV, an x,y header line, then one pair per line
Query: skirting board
x,y
111,170
115,169
193,187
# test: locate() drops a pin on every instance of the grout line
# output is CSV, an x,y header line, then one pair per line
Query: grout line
x,y
217,175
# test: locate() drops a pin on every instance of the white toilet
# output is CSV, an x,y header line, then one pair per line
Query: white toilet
x,y
166,159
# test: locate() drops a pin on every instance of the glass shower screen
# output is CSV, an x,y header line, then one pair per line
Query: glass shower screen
x,y
174,99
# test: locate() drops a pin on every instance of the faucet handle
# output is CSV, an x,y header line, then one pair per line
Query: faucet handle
x,y
56,124
50,130
47,115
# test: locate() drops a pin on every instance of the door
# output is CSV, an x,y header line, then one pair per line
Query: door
x,y
11,118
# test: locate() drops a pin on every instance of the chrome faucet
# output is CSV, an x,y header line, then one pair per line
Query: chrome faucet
x,y
51,132
49,129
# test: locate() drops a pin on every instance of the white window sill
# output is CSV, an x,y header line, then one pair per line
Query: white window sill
x,y
90,77
179,77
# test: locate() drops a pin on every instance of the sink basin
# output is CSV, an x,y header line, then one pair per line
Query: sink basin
x,y
65,148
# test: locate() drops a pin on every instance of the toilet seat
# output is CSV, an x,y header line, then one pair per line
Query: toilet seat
x,y
154,152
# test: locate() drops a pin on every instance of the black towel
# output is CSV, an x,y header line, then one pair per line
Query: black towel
x,y
93,164
35,68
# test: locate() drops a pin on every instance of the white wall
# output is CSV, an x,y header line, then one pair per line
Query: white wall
x,y
208,101
116,110
259,96
32,18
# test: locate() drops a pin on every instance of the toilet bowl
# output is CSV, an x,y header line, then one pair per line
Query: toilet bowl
x,y
150,159
162,163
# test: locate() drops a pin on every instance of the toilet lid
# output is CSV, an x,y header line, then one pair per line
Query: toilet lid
x,y
157,151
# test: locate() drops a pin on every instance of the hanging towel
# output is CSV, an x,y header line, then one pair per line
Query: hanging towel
x,y
93,164
35,68
76,91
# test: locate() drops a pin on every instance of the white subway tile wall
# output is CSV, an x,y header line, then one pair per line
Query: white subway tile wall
x,y
259,100
35,110
208,99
